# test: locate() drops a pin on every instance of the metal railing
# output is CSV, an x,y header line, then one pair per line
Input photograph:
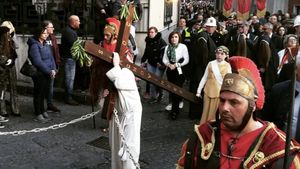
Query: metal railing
x,y
26,15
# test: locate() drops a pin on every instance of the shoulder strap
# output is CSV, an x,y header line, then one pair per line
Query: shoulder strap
x,y
190,151
278,163
194,149
251,148
214,161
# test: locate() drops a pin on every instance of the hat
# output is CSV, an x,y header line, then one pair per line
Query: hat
x,y
211,21
112,26
223,49
297,21
245,81
9,25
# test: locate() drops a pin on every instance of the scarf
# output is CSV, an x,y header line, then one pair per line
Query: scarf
x,y
171,53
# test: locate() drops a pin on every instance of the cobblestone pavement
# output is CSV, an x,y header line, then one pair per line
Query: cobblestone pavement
x,y
67,148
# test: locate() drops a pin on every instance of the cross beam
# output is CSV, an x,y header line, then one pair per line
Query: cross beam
x,y
99,52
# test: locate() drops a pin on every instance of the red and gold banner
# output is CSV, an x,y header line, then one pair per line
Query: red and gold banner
x,y
261,8
227,8
243,7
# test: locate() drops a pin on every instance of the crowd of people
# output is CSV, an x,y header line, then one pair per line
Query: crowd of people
x,y
229,64
261,53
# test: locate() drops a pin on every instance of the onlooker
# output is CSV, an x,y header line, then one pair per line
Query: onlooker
x,y
278,104
254,19
40,54
274,21
267,58
181,25
51,40
153,54
102,11
175,56
4,62
211,82
12,75
286,56
244,41
281,31
68,37
190,37
205,48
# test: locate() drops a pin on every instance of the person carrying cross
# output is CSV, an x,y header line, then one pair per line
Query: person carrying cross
x,y
125,124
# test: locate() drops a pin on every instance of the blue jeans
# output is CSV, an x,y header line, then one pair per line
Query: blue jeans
x,y
154,90
70,69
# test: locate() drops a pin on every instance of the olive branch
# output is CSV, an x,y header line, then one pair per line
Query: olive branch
x,y
125,11
79,54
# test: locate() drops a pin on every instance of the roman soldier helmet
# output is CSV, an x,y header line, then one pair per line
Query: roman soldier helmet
x,y
112,27
245,80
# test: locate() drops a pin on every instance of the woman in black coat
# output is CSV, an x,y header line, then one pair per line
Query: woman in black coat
x,y
153,54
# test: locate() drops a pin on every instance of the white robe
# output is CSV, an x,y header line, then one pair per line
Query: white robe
x,y
129,107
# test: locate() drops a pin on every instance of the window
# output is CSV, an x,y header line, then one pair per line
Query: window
x,y
297,10
168,12
143,24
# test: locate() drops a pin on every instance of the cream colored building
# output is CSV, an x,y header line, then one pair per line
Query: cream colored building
x,y
162,14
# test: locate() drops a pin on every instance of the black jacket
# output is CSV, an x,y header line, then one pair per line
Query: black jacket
x,y
154,50
278,103
68,37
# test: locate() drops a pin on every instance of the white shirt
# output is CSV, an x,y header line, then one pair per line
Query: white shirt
x,y
181,52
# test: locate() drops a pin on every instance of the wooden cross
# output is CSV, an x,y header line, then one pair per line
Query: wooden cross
x,y
99,52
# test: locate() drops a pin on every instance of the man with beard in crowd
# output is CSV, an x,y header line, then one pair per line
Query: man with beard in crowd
x,y
237,139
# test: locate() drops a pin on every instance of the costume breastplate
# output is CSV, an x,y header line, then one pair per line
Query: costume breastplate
x,y
258,155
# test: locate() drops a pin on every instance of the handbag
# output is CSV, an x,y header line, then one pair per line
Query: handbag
x,y
28,69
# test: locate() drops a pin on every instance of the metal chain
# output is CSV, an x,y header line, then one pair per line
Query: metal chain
x,y
53,127
123,139
64,124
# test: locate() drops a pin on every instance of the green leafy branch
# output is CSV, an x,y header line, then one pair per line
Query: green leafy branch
x,y
79,54
125,11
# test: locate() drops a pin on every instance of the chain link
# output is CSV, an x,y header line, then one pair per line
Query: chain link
x,y
53,127
123,140
64,124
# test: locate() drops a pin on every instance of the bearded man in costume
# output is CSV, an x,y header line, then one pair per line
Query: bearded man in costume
x,y
99,80
237,139
99,67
